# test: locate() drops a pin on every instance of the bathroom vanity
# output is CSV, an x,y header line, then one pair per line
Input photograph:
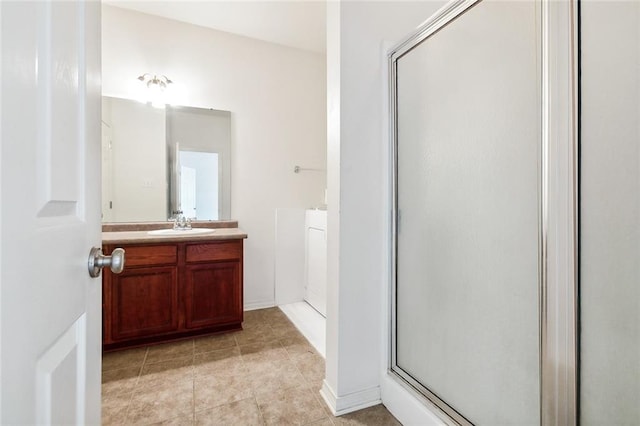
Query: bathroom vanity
x,y
172,287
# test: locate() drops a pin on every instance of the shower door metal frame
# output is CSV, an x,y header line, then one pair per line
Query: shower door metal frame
x,y
557,207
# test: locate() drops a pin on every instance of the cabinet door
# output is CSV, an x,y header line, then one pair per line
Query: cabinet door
x,y
213,294
144,302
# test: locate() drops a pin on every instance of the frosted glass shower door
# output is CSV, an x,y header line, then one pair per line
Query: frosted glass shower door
x,y
610,214
466,238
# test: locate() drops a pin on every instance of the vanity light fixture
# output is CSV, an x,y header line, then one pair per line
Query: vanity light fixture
x,y
154,81
156,85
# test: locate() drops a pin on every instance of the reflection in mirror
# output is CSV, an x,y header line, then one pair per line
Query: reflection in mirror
x,y
198,154
159,161
199,184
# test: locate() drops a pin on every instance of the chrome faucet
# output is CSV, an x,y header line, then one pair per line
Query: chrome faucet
x,y
181,222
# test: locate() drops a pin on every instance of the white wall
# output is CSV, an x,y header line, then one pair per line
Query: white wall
x,y
277,100
358,189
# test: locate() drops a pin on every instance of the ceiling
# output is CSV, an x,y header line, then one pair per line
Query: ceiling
x,y
294,23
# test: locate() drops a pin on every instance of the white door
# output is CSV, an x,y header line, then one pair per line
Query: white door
x,y
50,309
188,191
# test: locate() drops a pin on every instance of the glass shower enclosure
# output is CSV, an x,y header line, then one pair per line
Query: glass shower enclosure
x,y
466,112
479,326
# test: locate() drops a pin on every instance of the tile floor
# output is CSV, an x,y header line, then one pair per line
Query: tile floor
x,y
266,374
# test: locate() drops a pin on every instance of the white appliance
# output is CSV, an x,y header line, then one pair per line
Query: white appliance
x,y
315,261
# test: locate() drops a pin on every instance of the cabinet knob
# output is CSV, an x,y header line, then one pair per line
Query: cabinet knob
x,y
97,261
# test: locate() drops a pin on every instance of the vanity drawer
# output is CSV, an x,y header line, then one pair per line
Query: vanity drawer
x,y
150,255
228,250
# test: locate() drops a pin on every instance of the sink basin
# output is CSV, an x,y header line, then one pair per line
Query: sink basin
x,y
192,231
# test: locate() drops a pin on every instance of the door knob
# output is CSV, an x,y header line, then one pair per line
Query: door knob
x,y
97,261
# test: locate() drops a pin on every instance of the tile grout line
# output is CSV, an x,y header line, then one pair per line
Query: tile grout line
x,y
315,394
195,376
264,422
135,386
193,382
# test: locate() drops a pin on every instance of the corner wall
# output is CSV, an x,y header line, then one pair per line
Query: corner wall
x,y
359,205
277,99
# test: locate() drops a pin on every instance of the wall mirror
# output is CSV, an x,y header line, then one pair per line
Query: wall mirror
x,y
157,161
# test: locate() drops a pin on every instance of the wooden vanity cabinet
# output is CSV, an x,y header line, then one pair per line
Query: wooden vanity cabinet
x,y
170,291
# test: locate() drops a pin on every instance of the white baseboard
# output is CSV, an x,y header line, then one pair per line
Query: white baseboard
x,y
252,306
407,407
352,402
